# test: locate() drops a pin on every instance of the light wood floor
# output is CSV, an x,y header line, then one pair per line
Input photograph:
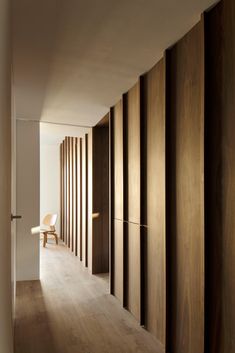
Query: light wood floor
x,y
70,311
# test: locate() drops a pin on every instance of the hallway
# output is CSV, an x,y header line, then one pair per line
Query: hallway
x,y
70,311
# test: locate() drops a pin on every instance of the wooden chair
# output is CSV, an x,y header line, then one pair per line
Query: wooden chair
x,y
49,220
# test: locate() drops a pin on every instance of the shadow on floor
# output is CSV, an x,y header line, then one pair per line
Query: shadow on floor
x,y
32,320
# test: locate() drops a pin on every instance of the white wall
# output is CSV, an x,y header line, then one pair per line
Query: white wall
x,y
50,181
27,199
6,335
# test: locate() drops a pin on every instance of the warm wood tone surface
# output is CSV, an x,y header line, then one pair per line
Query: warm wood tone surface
x,y
70,311
155,315
133,151
133,281
186,104
118,158
61,191
118,259
90,201
100,186
68,190
74,166
71,193
65,191
220,178
79,197
84,201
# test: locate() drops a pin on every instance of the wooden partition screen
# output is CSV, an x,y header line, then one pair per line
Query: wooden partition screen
x,y
70,187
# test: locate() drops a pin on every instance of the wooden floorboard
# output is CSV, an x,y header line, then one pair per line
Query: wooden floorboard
x,y
70,311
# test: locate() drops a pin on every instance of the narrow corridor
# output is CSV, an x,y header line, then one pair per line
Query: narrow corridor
x,y
70,311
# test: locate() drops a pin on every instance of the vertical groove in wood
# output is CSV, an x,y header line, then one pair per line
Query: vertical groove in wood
x,y
186,65
111,199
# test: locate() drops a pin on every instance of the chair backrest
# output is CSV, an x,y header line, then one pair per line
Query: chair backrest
x,y
50,220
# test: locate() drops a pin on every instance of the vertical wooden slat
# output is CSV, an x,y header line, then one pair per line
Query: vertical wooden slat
x,y
79,198
90,200
219,178
68,190
186,114
75,195
155,303
134,213
111,199
118,275
61,191
84,201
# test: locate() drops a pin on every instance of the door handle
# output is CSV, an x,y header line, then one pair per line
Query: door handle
x,y
15,217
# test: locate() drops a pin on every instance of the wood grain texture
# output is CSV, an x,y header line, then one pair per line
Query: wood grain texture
x,y
90,199
75,239
68,191
220,176
118,259
100,186
133,151
155,314
71,191
79,197
133,259
118,160
65,191
84,201
186,114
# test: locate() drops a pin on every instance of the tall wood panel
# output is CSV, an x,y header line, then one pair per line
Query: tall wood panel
x,y
65,191
84,200
100,195
75,193
155,109
133,201
118,197
71,193
61,191
186,192
220,176
79,197
90,200
67,140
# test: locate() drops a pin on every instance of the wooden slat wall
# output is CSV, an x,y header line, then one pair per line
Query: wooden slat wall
x,y
100,195
186,189
118,197
220,178
90,201
133,200
71,192
84,201
79,196
155,109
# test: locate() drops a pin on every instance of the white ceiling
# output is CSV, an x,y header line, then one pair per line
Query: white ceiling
x,y
73,59
54,134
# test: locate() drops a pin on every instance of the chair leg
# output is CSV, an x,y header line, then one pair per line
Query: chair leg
x,y
56,238
44,239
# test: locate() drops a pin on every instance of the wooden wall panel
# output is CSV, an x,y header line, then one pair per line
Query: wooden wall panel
x,y
84,201
79,196
186,192
220,176
61,191
118,158
133,151
75,240
71,192
133,259
68,191
100,181
90,201
155,314
65,191
118,260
